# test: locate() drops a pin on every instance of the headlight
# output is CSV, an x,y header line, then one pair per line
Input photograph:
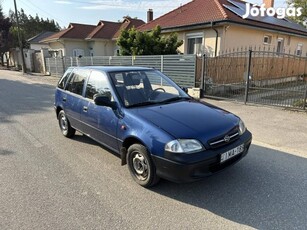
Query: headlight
x,y
242,127
183,146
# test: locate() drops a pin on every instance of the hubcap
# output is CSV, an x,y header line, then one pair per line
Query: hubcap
x,y
140,166
63,123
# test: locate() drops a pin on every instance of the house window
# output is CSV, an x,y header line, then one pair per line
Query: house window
x,y
194,43
78,52
280,45
299,50
267,39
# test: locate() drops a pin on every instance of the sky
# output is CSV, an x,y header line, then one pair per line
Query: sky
x,y
91,11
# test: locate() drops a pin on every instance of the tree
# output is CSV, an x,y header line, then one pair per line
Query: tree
x,y
134,42
303,4
29,27
5,25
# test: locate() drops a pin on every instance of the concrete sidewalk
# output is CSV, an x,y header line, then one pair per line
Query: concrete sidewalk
x,y
272,127
37,78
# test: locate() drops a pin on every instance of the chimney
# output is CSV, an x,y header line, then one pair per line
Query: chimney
x,y
149,15
268,3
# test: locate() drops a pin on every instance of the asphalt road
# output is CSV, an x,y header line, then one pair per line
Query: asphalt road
x,y
51,182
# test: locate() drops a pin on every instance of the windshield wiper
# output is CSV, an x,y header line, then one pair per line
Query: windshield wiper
x,y
179,98
142,104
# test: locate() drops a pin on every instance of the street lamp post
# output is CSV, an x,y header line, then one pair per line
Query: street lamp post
x,y
23,66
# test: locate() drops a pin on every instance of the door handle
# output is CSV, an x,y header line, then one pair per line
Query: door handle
x,y
64,99
85,108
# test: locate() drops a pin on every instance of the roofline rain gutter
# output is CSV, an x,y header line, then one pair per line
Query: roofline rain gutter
x,y
221,22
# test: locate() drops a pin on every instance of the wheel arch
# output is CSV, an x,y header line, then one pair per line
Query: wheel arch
x,y
126,144
58,110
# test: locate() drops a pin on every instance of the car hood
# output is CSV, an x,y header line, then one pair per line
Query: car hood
x,y
189,119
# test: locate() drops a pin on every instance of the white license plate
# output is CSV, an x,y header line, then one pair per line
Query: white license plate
x,y
231,153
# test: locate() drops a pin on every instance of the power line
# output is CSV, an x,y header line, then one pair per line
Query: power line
x,y
120,5
50,15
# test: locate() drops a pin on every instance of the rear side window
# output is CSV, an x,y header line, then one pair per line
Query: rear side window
x,y
76,82
98,85
64,79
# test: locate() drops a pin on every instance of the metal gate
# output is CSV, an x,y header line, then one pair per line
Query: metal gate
x,y
257,76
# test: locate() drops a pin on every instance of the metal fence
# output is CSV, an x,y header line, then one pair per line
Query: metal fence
x,y
181,68
257,76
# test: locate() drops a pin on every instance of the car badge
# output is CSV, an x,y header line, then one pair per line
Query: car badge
x,y
227,138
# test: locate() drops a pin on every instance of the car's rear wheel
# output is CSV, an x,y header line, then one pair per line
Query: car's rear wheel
x,y
141,166
65,126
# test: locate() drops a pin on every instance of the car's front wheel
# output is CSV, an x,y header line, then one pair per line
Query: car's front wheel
x,y
141,166
64,124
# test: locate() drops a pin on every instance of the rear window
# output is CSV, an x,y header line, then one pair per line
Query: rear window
x,y
64,79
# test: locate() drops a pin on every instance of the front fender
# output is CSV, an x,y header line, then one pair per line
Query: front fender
x,y
139,130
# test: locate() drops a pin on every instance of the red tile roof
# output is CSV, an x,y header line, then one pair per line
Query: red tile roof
x,y
104,30
74,31
127,24
194,12
199,12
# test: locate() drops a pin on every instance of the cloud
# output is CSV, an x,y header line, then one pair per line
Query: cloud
x,y
161,6
63,2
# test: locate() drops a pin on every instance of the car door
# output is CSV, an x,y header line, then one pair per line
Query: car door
x,y
100,122
73,100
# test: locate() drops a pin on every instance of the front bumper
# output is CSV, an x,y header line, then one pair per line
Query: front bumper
x,y
180,172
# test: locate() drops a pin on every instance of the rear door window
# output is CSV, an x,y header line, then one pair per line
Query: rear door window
x,y
77,80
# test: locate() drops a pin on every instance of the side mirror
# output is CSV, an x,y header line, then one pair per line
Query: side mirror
x,y
104,101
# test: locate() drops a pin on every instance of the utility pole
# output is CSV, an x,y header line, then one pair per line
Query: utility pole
x,y
23,65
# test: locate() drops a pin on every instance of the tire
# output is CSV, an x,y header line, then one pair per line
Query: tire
x,y
64,124
141,167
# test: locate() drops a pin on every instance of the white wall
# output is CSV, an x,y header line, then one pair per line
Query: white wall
x,y
239,36
70,45
103,48
57,46
234,36
39,46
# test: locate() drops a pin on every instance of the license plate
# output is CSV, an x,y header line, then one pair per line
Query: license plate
x,y
231,153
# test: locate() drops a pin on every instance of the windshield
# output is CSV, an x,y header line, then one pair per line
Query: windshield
x,y
145,87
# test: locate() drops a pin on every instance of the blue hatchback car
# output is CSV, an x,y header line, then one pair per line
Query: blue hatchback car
x,y
158,130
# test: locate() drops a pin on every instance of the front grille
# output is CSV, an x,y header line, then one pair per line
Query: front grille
x,y
224,139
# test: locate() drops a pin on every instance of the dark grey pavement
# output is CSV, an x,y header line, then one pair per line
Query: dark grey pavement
x,y
51,182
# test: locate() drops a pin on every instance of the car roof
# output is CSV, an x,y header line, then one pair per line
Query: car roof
x,y
113,68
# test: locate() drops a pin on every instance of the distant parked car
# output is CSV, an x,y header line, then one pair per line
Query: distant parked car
x,y
156,128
